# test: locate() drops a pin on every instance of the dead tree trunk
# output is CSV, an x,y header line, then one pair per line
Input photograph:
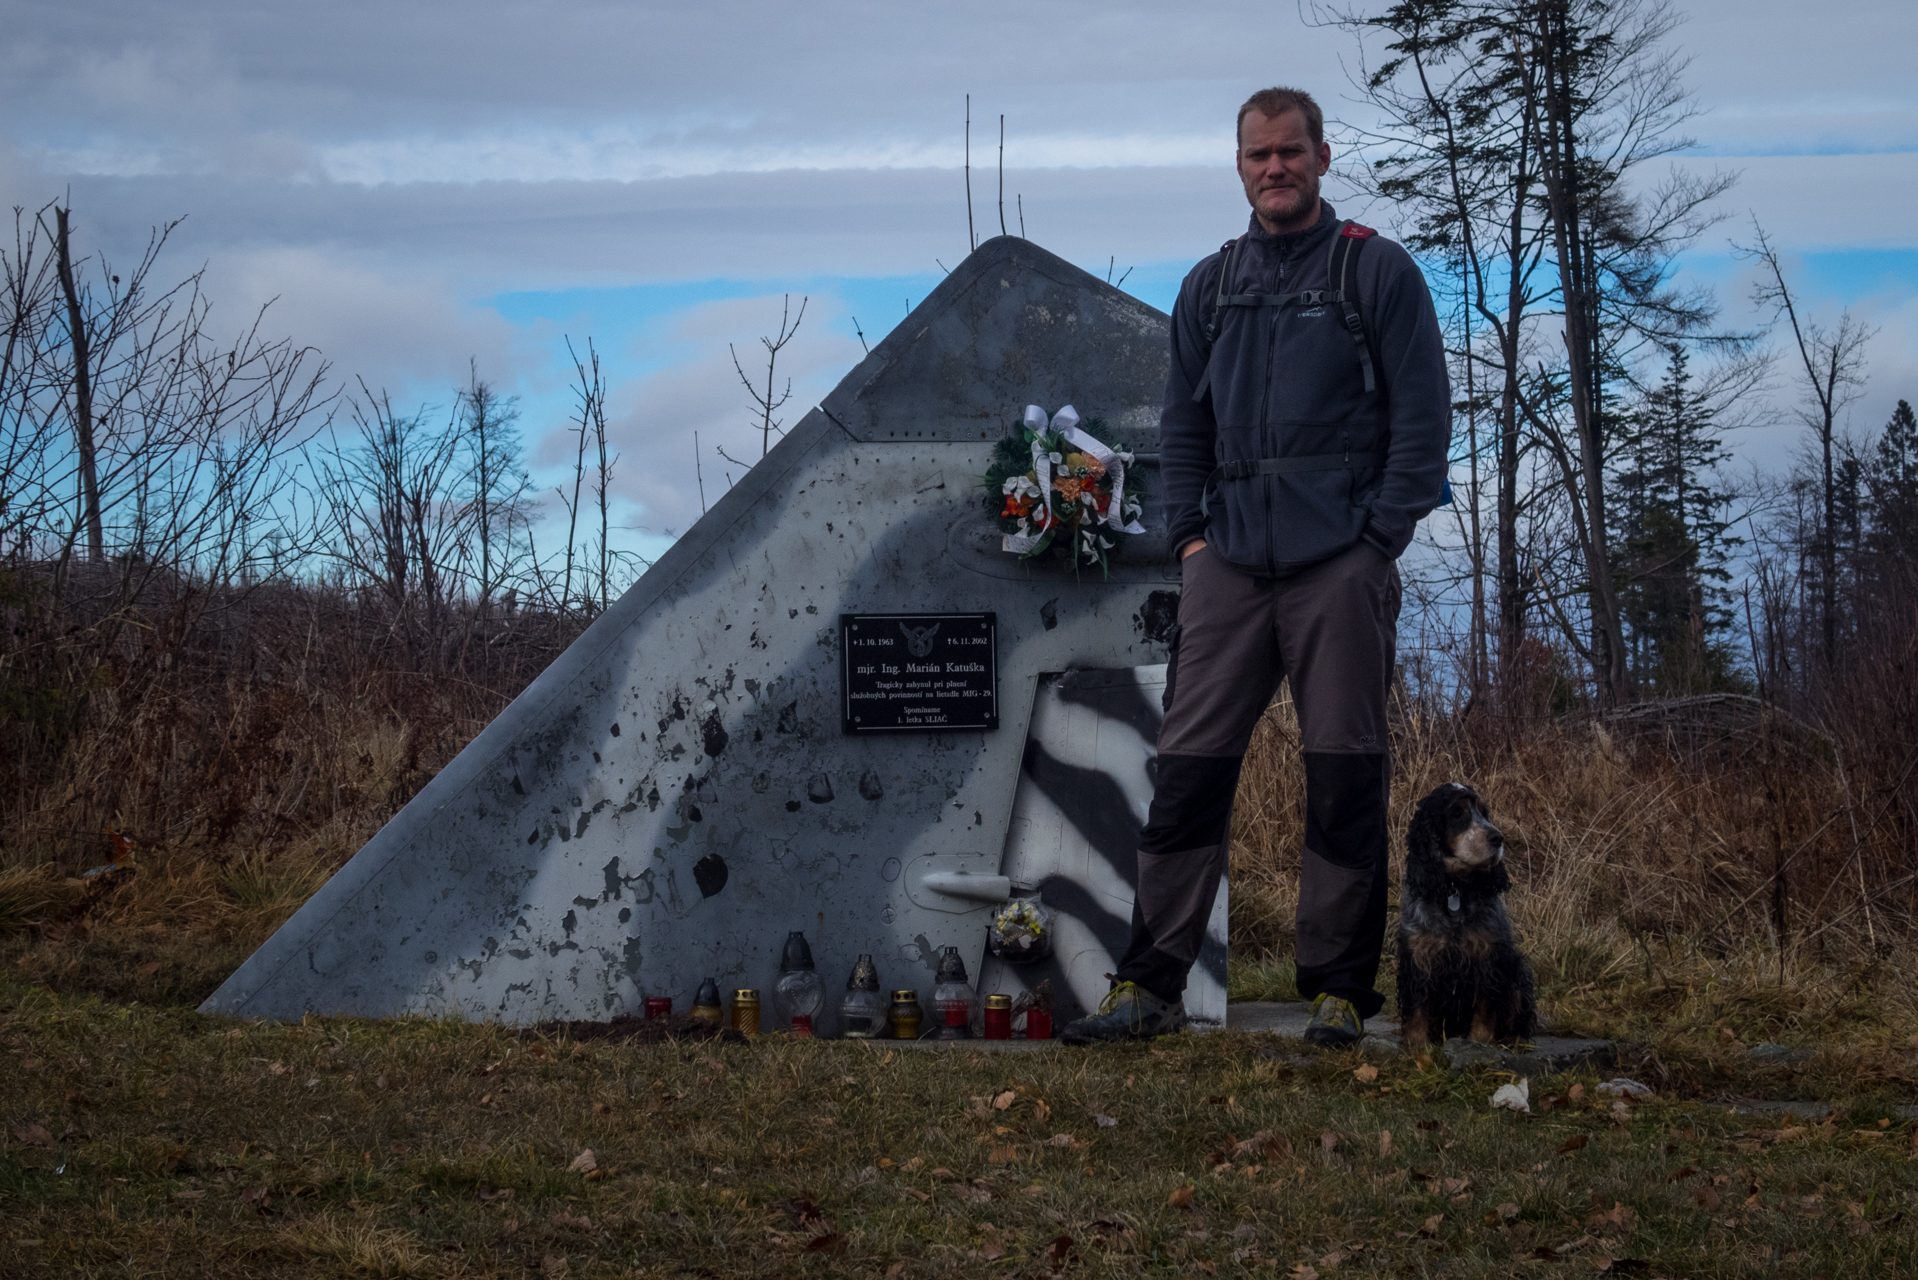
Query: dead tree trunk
x,y
82,394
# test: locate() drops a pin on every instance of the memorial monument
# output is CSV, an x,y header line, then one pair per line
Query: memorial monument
x,y
836,705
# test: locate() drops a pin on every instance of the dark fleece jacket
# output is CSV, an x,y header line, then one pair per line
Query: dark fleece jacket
x,y
1286,382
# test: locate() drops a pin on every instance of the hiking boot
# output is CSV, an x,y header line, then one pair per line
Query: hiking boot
x,y
1129,1012
1335,1023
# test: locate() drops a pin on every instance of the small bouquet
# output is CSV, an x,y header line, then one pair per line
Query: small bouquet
x,y
1021,931
1054,485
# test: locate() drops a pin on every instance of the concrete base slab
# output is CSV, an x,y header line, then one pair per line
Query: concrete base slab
x,y
1545,1054
1288,1018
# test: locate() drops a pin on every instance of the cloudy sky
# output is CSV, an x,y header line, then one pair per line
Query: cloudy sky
x,y
424,184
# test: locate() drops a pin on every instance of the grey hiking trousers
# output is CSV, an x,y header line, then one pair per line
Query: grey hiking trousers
x,y
1331,631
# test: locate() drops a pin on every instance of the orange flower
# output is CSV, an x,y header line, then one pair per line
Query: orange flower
x,y
1016,506
1068,487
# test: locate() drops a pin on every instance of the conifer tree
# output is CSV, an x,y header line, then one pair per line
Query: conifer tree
x,y
1673,539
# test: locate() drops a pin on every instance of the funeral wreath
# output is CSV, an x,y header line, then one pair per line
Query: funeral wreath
x,y
1055,487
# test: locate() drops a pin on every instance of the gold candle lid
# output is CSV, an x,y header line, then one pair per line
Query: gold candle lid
x,y
905,996
998,1002
746,993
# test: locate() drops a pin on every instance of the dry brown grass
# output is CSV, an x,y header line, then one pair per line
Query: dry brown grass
x,y
222,777
1711,886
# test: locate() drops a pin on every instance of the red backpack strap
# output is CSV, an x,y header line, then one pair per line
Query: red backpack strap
x,y
1345,288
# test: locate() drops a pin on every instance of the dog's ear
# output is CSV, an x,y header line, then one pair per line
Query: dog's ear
x,y
1425,848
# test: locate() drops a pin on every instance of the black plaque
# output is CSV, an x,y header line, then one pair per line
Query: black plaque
x,y
918,672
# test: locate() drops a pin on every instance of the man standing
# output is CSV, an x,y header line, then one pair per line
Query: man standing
x,y
1306,423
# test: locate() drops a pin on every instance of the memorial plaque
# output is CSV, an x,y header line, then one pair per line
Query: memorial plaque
x,y
907,672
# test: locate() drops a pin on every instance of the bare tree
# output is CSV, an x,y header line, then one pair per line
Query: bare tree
x,y
1832,364
1511,132
499,485
78,336
767,402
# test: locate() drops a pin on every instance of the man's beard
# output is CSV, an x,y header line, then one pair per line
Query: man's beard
x,y
1288,203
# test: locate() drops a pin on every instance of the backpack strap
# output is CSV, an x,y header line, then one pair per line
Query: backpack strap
x,y
1339,271
1228,251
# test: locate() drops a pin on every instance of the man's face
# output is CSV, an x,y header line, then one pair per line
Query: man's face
x,y
1281,170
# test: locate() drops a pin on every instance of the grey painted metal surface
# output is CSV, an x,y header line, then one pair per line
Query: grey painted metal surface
x,y
1085,784
674,793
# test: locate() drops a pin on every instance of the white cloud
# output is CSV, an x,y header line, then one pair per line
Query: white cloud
x,y
654,418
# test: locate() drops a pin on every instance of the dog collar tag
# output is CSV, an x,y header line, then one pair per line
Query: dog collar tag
x,y
1451,903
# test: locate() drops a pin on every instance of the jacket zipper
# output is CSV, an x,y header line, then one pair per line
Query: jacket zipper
x,y
1268,438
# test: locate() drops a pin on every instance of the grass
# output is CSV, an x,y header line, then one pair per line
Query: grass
x,y
1687,893
158,1142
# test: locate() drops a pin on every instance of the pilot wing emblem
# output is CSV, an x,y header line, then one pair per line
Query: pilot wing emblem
x,y
919,639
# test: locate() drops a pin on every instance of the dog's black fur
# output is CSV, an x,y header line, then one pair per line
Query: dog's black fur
x,y
1459,972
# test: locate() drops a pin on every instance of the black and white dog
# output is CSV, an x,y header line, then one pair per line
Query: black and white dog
x,y
1459,972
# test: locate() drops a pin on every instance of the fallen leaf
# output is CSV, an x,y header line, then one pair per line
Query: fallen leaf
x,y
1104,1121
1180,1198
584,1162
602,1109
1365,1072
913,1165
1576,1093
189,1195
973,1195
489,1194
1385,1144
1577,1142
1264,1143
1004,1100
1430,1227
896,1270
1454,1186
920,1196
1062,1140
833,1243
1058,1252
258,1197
883,1162
150,969
1003,1155
553,1265
1679,1175
1303,1271
1040,1110
1329,1141
278,1068
1507,1211
563,1219
34,1135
